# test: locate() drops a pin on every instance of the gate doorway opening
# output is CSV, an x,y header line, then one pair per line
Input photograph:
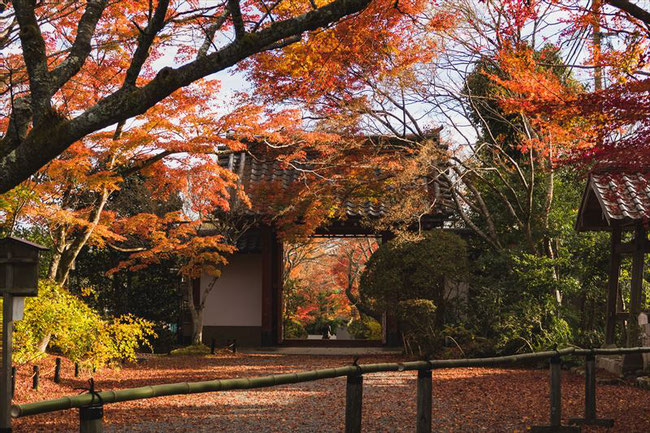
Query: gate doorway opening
x,y
320,292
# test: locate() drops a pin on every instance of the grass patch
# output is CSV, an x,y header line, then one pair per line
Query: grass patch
x,y
194,349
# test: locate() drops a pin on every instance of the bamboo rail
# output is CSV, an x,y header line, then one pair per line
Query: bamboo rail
x,y
85,400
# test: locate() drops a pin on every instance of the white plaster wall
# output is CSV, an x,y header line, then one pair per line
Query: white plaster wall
x,y
236,299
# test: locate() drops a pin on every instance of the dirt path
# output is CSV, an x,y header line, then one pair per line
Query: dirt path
x,y
465,400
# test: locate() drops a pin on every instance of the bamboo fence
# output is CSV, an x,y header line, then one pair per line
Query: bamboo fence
x,y
82,400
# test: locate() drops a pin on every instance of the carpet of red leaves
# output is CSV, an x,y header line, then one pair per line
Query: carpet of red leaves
x,y
465,399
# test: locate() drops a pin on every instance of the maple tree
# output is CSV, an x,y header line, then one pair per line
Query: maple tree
x,y
607,119
111,53
71,194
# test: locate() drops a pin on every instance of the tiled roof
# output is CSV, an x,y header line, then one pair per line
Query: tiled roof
x,y
250,242
254,172
615,196
623,195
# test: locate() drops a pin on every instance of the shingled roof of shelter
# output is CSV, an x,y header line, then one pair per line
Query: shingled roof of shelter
x,y
615,197
254,171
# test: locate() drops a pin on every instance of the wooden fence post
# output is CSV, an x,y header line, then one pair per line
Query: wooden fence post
x,y
35,377
424,399
556,402
353,399
590,397
556,392
13,381
91,418
57,370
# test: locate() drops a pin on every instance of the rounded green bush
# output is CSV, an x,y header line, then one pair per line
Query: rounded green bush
x,y
402,270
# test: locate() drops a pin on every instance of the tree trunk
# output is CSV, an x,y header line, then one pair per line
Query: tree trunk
x,y
42,345
196,312
54,264
197,326
72,250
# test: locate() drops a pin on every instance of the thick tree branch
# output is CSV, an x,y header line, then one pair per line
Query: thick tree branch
x,y
81,47
21,115
140,165
284,43
237,20
632,9
145,40
35,56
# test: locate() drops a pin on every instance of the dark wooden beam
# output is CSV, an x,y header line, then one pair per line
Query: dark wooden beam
x,y
267,287
630,248
612,288
636,285
623,316
278,289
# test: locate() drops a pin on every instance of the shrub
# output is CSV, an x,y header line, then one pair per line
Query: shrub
x,y
365,328
76,331
404,270
417,318
294,329
166,340
193,350
534,319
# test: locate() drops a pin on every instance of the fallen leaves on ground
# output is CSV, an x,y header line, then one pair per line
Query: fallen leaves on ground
x,y
464,400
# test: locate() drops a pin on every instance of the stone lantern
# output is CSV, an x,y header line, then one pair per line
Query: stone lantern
x,y
18,279
19,266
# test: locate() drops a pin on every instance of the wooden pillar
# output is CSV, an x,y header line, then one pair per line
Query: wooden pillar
x,y
424,399
590,387
5,380
591,417
353,403
57,370
267,337
35,377
556,392
91,419
612,288
278,289
392,335
555,425
636,286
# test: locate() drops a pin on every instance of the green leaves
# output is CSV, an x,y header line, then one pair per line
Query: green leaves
x,y
401,270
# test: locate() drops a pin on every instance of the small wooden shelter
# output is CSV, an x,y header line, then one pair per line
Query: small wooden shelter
x,y
618,201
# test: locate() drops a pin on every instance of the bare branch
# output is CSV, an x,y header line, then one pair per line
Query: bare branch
x,y
210,32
